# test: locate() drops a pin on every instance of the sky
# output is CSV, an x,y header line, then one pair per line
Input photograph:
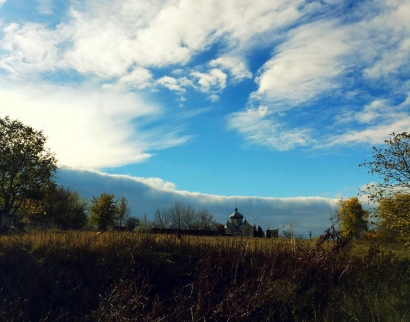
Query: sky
x,y
268,106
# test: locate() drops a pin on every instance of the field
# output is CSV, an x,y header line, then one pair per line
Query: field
x,y
89,276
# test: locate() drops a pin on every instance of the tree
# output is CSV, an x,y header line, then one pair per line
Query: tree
x,y
131,223
78,217
27,166
260,232
392,164
177,215
144,224
190,218
103,211
162,218
123,210
352,217
62,206
289,229
206,220
393,218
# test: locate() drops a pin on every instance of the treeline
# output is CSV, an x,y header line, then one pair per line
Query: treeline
x,y
66,209
387,222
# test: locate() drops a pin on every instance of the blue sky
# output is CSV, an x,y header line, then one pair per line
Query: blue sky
x,y
264,100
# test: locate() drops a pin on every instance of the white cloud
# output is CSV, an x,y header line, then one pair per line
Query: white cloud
x,y
234,65
2,2
312,49
373,135
390,50
372,111
212,82
373,124
259,126
323,59
89,127
175,84
145,195
305,66
139,78
30,48
105,38
215,80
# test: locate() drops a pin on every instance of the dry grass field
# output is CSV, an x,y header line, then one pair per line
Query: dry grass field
x,y
89,276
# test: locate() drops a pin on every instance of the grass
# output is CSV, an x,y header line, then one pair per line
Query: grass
x,y
88,276
361,248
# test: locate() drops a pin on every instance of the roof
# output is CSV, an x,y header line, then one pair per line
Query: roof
x,y
236,215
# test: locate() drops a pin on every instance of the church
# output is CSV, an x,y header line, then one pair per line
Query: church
x,y
237,227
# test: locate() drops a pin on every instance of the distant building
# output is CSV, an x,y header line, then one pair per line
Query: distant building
x,y
237,227
272,233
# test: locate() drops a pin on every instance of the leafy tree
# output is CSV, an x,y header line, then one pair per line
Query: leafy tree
x,y
392,164
78,217
34,209
131,223
103,211
144,224
352,217
394,220
27,166
260,232
61,206
123,211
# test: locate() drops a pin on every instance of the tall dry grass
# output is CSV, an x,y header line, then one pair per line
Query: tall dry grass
x,y
85,276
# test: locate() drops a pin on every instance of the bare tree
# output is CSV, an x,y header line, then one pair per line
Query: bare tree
x,y
190,218
206,220
162,218
177,215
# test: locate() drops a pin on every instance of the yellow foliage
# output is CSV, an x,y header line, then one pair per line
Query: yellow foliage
x,y
352,217
394,216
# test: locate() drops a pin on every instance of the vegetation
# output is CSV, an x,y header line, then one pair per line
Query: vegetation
x,y
123,211
394,219
61,206
140,277
103,211
26,165
392,164
352,218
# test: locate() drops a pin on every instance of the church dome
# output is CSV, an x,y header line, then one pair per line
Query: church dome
x,y
236,215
